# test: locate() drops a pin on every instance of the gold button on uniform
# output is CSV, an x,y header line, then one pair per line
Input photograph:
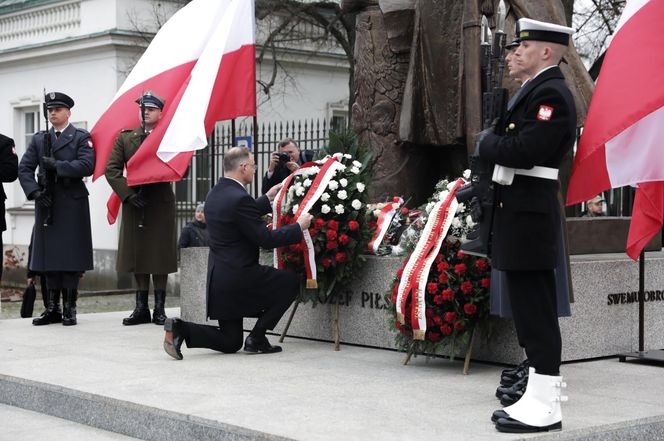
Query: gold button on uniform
x,y
512,126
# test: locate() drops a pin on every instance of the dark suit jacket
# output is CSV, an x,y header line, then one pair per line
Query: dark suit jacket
x,y
237,285
282,172
8,172
527,215
66,245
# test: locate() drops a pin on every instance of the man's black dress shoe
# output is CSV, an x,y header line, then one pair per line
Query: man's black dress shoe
x,y
258,345
499,414
173,338
509,399
510,425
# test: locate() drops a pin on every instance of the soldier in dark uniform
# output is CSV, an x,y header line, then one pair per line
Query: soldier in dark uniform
x,y
527,148
8,173
62,238
147,233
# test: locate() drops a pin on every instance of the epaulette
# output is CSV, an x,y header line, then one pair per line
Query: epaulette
x,y
85,132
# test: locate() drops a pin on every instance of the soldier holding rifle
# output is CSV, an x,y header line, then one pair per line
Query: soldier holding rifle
x,y
62,238
147,233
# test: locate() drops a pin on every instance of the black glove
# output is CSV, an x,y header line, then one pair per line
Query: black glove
x,y
49,163
136,200
480,137
43,199
475,210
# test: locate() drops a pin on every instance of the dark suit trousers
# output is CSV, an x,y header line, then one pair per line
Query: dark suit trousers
x,y
534,308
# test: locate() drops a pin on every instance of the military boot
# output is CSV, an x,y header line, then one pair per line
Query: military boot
x,y
159,315
69,297
52,313
141,313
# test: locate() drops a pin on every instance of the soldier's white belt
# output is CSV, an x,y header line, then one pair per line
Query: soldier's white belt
x,y
505,175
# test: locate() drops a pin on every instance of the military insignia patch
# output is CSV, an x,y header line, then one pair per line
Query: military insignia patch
x,y
544,113
51,95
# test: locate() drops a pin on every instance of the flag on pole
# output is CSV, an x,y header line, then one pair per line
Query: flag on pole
x,y
203,63
622,139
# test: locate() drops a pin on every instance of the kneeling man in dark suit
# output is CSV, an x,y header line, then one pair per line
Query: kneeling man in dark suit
x,y
237,286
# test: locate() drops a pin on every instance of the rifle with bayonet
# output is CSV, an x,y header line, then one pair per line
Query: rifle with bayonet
x,y
141,219
46,178
480,190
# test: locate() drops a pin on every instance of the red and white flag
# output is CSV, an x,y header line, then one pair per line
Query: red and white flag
x,y
624,131
203,63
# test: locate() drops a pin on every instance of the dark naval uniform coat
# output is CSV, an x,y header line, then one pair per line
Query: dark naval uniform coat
x,y
66,245
150,249
527,214
237,285
539,129
8,173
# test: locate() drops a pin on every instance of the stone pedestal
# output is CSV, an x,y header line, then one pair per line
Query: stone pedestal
x,y
604,318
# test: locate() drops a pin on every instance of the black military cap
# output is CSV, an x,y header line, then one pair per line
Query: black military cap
x,y
515,43
149,99
58,99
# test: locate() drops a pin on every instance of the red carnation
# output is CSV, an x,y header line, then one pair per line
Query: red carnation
x,y
437,320
404,210
371,224
333,225
439,258
446,329
396,199
469,308
428,313
448,294
467,287
331,245
450,317
438,300
326,262
460,254
482,264
460,269
434,336
432,288
443,266
331,234
353,225
344,239
319,223
458,326
340,257
485,282
442,278
295,247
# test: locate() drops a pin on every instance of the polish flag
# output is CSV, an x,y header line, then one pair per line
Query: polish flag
x,y
203,63
624,131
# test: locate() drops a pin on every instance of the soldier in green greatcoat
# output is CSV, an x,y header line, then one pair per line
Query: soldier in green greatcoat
x,y
147,231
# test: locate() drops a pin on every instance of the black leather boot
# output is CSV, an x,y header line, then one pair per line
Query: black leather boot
x,y
69,297
52,314
159,315
141,313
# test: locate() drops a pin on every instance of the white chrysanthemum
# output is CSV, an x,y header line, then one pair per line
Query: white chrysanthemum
x,y
307,182
338,155
356,204
469,221
430,207
443,195
295,207
466,174
333,185
460,208
325,209
450,186
299,190
343,182
357,164
347,155
376,213
342,195
360,187
456,223
355,170
339,209
342,167
325,197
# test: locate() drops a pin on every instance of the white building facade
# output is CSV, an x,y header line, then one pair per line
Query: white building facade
x,y
85,48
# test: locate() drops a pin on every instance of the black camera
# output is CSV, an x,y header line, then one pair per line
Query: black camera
x,y
284,158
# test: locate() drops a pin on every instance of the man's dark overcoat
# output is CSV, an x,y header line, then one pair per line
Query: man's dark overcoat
x,y
539,128
237,285
66,244
149,249
8,172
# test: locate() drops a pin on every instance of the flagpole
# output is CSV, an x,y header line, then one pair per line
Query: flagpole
x,y
255,147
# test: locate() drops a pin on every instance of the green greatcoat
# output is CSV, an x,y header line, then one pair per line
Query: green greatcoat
x,y
149,249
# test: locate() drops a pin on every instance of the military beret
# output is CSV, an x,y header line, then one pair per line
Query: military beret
x,y
149,99
58,99
541,31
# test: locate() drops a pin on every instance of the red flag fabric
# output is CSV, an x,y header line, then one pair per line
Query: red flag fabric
x,y
202,62
649,204
621,141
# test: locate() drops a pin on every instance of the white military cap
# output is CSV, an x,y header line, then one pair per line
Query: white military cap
x,y
541,31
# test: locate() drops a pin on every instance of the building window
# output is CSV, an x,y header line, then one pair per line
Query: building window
x,y
29,126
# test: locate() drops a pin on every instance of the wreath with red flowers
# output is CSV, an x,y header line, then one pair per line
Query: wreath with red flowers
x,y
457,291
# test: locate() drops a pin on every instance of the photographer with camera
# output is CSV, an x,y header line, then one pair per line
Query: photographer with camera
x,y
284,162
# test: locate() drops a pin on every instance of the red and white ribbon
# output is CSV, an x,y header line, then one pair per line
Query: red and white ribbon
x,y
416,272
383,223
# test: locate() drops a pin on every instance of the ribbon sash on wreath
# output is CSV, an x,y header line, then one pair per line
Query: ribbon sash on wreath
x,y
383,224
416,271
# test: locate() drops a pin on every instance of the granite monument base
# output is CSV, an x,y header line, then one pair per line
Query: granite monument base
x,y
604,319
